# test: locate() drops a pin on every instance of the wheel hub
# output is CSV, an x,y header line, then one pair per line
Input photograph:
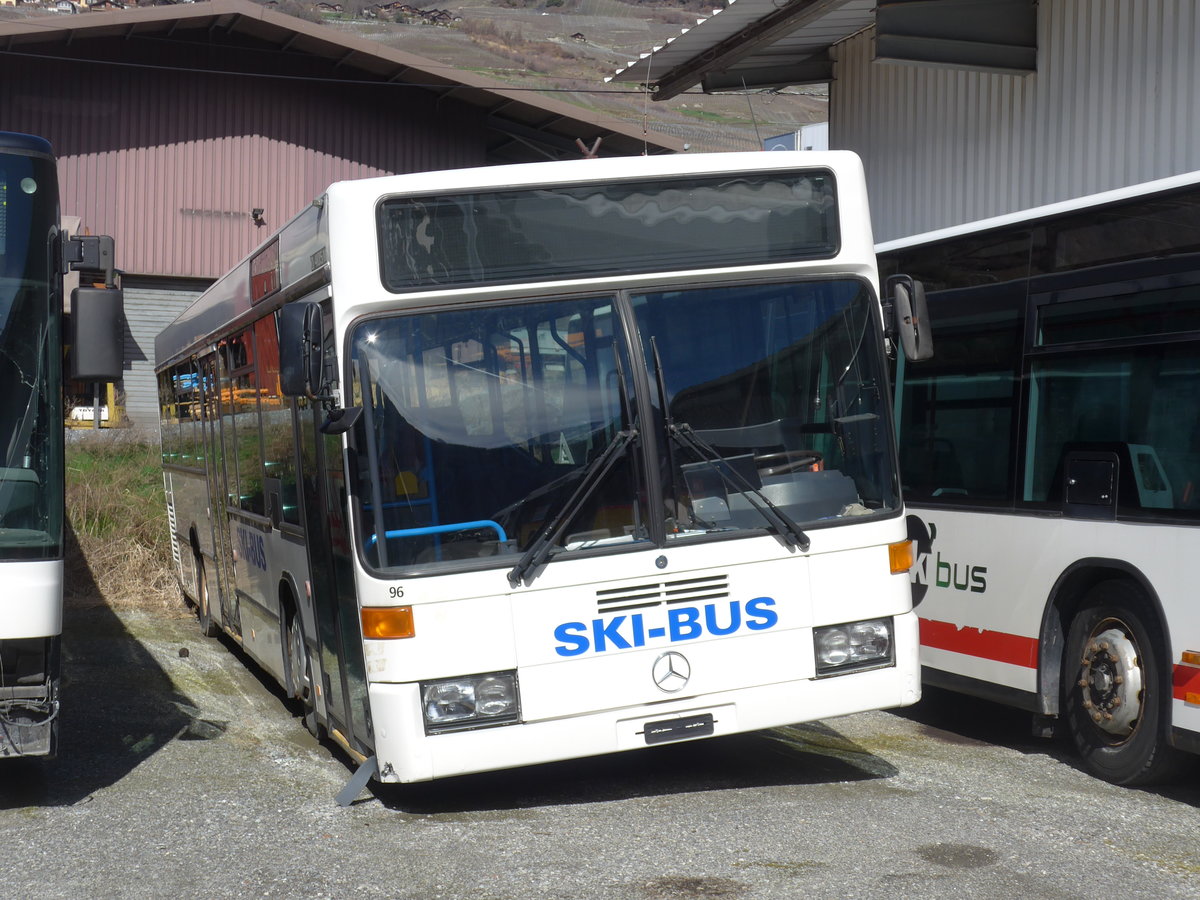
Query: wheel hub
x,y
303,688
1111,680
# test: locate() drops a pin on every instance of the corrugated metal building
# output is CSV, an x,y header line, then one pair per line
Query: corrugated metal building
x,y
1113,102
172,124
964,109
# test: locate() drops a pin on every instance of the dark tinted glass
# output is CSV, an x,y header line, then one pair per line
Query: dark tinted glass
x,y
572,231
31,475
1157,227
1137,404
1121,316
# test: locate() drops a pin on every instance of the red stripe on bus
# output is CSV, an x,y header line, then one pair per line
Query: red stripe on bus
x,y
1184,681
996,645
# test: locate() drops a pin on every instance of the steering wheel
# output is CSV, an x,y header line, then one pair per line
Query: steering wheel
x,y
788,461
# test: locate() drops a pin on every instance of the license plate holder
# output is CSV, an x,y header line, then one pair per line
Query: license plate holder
x,y
679,729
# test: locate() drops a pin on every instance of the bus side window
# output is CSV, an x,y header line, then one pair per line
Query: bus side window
x,y
958,411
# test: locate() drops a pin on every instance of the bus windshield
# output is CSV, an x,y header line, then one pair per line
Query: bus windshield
x,y
30,415
480,425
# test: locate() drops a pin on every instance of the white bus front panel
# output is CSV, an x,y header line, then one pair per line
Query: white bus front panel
x,y
31,599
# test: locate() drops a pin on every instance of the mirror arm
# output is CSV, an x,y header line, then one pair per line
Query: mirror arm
x,y
339,421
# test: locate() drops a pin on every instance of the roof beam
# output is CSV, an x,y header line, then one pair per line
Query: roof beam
x,y
763,32
817,70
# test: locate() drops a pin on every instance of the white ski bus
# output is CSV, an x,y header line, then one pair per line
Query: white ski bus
x,y
1052,455
500,466
34,255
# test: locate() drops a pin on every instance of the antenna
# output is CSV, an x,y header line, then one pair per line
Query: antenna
x,y
646,105
753,119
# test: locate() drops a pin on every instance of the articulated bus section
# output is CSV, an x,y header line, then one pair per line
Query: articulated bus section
x,y
1050,458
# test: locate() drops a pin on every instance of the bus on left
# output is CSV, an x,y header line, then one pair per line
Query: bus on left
x,y
35,254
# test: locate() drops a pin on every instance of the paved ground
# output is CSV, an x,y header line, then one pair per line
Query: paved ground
x,y
183,774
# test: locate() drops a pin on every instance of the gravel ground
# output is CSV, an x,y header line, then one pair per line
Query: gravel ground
x,y
183,774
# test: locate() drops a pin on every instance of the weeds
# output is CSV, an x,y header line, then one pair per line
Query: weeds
x,y
118,545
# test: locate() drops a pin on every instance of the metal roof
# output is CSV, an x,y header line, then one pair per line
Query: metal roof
x,y
515,118
776,43
751,43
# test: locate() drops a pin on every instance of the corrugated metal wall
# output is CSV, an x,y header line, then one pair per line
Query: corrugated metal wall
x,y
1115,101
150,305
170,162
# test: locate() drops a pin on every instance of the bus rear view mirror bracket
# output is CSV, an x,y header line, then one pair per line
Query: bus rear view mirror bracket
x,y
910,317
339,421
302,351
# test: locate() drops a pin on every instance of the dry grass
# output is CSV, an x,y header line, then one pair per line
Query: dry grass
x,y
118,545
539,56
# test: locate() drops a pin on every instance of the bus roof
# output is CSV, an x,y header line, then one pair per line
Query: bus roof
x,y
24,143
604,169
1048,211
303,238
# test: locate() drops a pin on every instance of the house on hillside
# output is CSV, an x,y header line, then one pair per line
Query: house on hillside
x,y
964,110
173,146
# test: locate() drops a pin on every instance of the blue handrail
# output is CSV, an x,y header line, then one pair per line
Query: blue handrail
x,y
441,529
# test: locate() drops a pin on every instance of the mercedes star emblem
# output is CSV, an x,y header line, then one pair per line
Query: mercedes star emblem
x,y
671,672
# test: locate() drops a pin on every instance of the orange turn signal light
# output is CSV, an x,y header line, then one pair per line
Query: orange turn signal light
x,y
386,622
901,556
1191,657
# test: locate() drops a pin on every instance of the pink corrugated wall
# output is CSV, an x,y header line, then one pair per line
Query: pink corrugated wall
x,y
171,163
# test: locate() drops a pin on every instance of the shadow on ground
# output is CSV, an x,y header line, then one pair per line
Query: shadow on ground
x,y
957,718
118,706
951,717
796,755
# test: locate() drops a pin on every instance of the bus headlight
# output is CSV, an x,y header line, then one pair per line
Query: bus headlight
x,y
853,646
470,701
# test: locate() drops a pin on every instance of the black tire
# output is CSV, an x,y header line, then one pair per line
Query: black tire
x,y
208,627
300,672
1117,690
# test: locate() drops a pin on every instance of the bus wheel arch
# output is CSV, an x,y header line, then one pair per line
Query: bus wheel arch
x,y
1115,687
299,680
1067,598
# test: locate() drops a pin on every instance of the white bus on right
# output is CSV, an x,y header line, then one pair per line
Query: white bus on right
x,y
1050,460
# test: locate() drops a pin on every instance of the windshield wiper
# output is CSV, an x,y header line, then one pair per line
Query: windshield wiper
x,y
683,434
781,521
593,473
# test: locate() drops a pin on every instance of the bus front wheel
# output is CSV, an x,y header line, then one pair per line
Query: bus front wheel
x,y
1117,694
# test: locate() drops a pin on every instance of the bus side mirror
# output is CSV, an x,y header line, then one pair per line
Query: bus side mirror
x,y
97,333
301,350
911,325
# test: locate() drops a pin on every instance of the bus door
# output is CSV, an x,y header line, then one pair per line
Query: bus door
x,y
222,481
331,564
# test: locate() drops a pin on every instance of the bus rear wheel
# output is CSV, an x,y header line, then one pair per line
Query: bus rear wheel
x,y
208,627
300,677
1117,694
